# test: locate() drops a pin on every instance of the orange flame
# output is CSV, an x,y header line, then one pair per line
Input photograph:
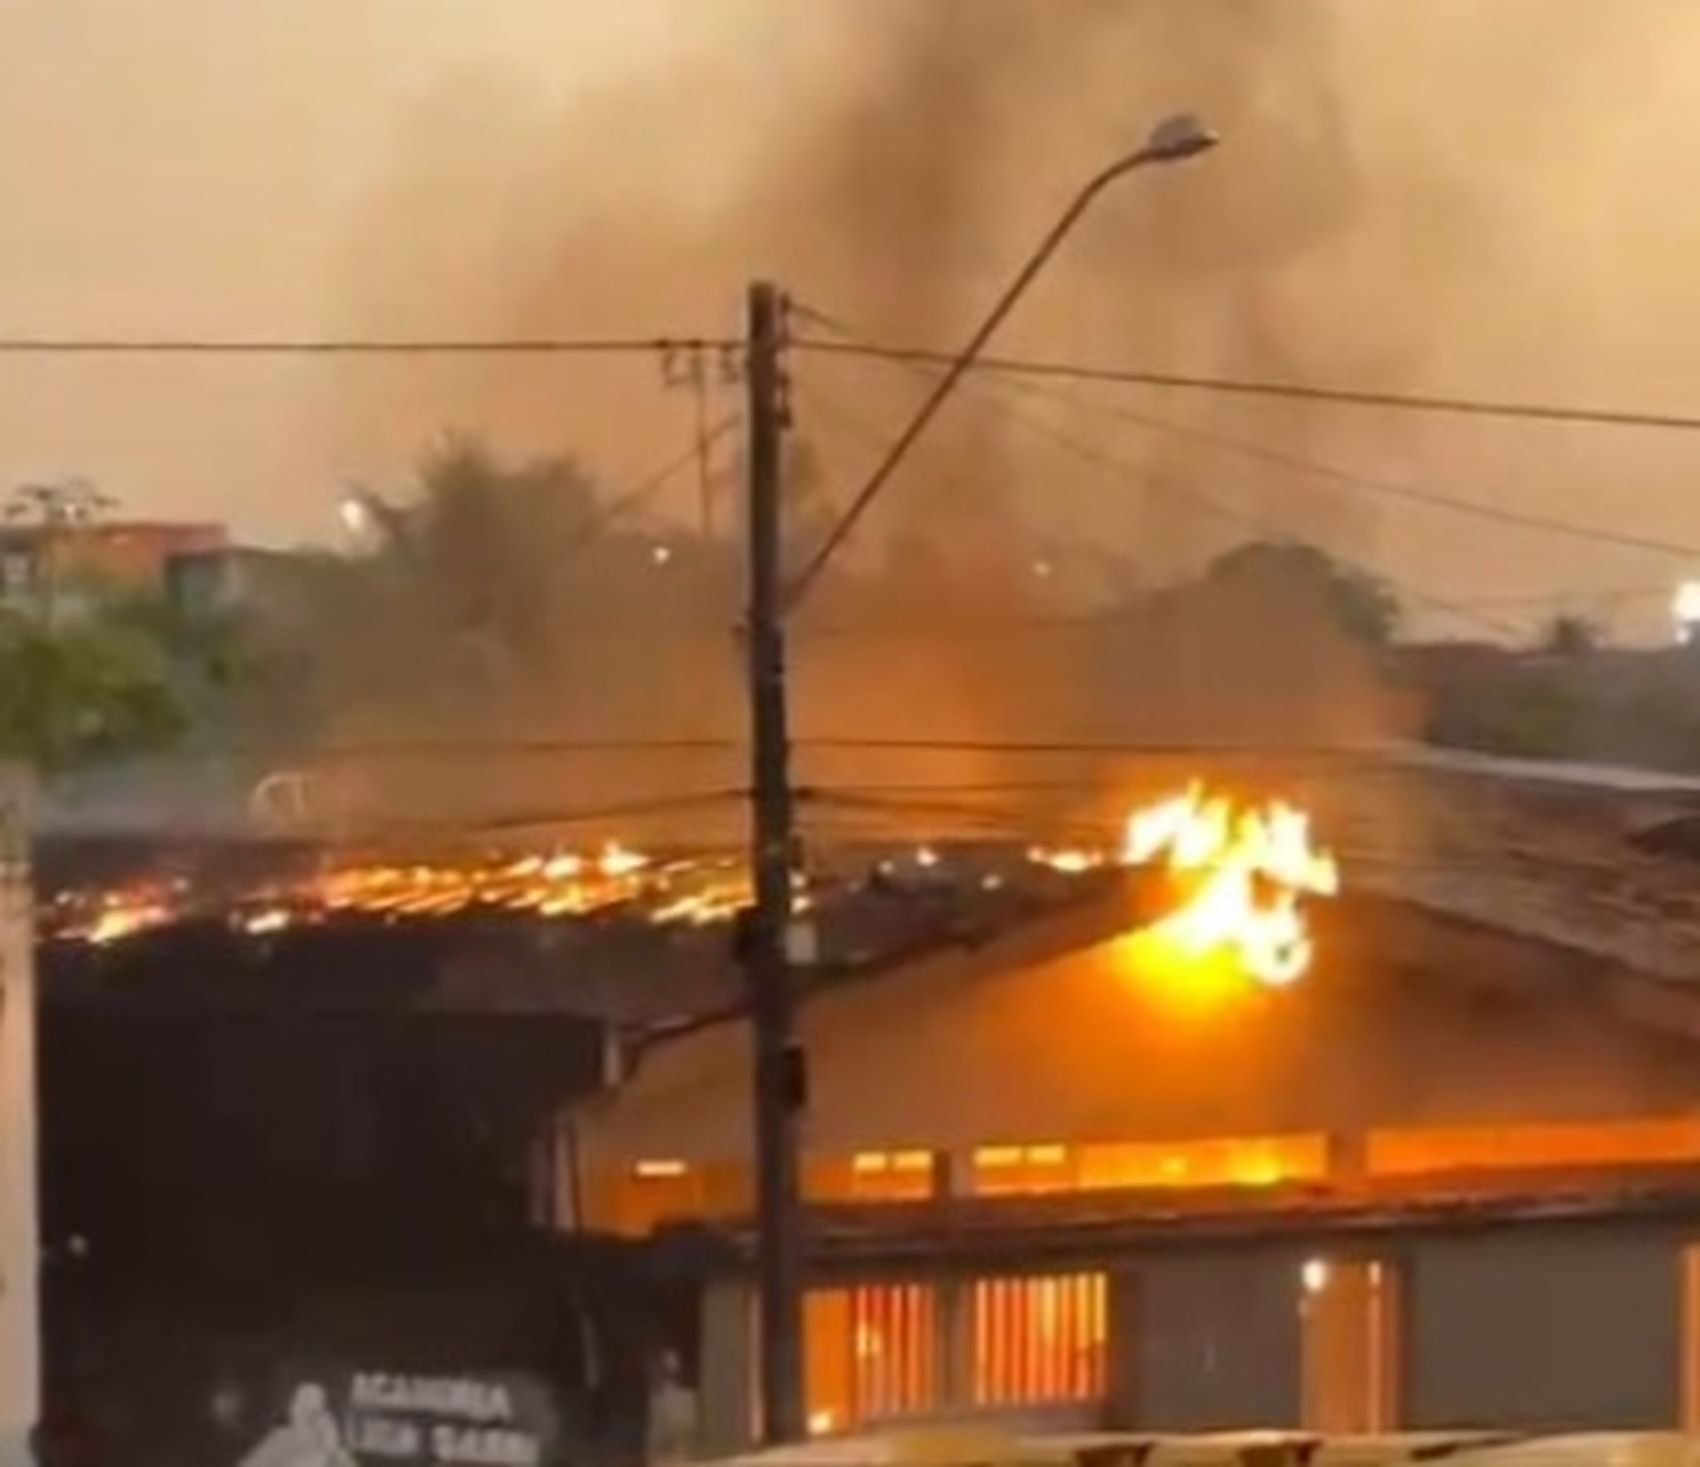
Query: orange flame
x,y
561,884
1244,873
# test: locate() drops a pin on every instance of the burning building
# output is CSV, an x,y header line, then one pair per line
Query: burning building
x,y
1267,1135
297,1119
1372,1104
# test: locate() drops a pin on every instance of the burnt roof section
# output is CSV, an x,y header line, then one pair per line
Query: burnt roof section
x,y
1597,860
224,936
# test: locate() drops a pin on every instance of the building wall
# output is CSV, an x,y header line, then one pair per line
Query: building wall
x,y
1559,1329
1210,1342
64,561
1545,1325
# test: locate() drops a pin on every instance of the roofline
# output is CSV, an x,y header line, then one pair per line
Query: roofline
x,y
964,1231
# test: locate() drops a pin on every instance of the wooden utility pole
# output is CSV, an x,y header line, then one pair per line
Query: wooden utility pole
x,y
779,1075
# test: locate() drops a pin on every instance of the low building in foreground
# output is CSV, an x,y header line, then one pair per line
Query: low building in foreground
x,y
1451,1178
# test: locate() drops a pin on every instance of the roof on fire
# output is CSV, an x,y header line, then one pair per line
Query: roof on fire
x,y
1600,862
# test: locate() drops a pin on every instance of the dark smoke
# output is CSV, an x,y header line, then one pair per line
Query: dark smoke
x,y
899,186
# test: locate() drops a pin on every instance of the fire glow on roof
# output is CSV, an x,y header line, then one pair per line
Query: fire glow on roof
x,y
1236,877
558,884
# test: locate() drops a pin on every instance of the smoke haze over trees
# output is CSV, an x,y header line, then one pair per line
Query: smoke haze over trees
x,y
377,166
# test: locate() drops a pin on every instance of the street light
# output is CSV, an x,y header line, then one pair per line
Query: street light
x,y
1173,140
356,515
371,520
781,1079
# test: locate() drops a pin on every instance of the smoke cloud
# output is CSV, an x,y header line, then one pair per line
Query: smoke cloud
x,y
1422,195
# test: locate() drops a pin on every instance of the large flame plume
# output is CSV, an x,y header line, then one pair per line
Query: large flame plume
x,y
1243,871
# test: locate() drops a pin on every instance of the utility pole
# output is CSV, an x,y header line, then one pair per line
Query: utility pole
x,y
779,1075
20,1317
705,474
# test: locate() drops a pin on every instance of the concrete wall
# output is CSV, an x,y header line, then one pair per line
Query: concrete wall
x,y
1551,1328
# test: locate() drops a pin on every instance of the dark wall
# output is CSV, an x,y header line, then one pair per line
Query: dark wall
x,y
1537,1328
1209,1342
177,1138
239,1175
1532,1325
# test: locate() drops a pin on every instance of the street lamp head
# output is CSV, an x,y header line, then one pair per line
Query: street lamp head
x,y
1177,138
355,512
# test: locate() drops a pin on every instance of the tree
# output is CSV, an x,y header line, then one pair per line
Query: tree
x,y
1527,713
95,691
496,595
1570,634
1363,606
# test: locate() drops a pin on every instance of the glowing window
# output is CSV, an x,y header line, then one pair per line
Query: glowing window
x,y
869,1353
1251,1161
1038,1339
1643,1142
870,1176
654,1191
1001,1171
655,1171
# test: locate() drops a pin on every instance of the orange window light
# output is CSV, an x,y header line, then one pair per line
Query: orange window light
x,y
654,1191
869,1353
870,1176
1249,1161
1038,1339
1642,1142
1004,1171
659,1170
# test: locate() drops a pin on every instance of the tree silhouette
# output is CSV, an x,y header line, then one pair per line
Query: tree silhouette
x,y
1363,606
1570,634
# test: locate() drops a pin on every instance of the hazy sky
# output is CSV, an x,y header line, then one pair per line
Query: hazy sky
x,y
1441,194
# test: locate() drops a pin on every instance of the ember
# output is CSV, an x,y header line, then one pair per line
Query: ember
x,y
1242,874
563,884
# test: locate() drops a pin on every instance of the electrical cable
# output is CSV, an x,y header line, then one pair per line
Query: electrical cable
x,y
596,814
1293,391
630,499
359,346
1367,483
1205,502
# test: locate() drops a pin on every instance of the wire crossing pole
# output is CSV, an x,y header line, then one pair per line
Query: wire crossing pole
x,y
779,1079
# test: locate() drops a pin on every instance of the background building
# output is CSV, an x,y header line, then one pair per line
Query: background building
x,y
63,565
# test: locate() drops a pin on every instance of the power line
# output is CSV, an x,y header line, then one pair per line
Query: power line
x,y
594,814
1468,608
482,748
629,499
1247,387
1612,596
256,346
1414,493
1209,503
1368,483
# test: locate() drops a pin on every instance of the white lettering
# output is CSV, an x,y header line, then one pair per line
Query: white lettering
x,y
483,1447
471,1400
384,1436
